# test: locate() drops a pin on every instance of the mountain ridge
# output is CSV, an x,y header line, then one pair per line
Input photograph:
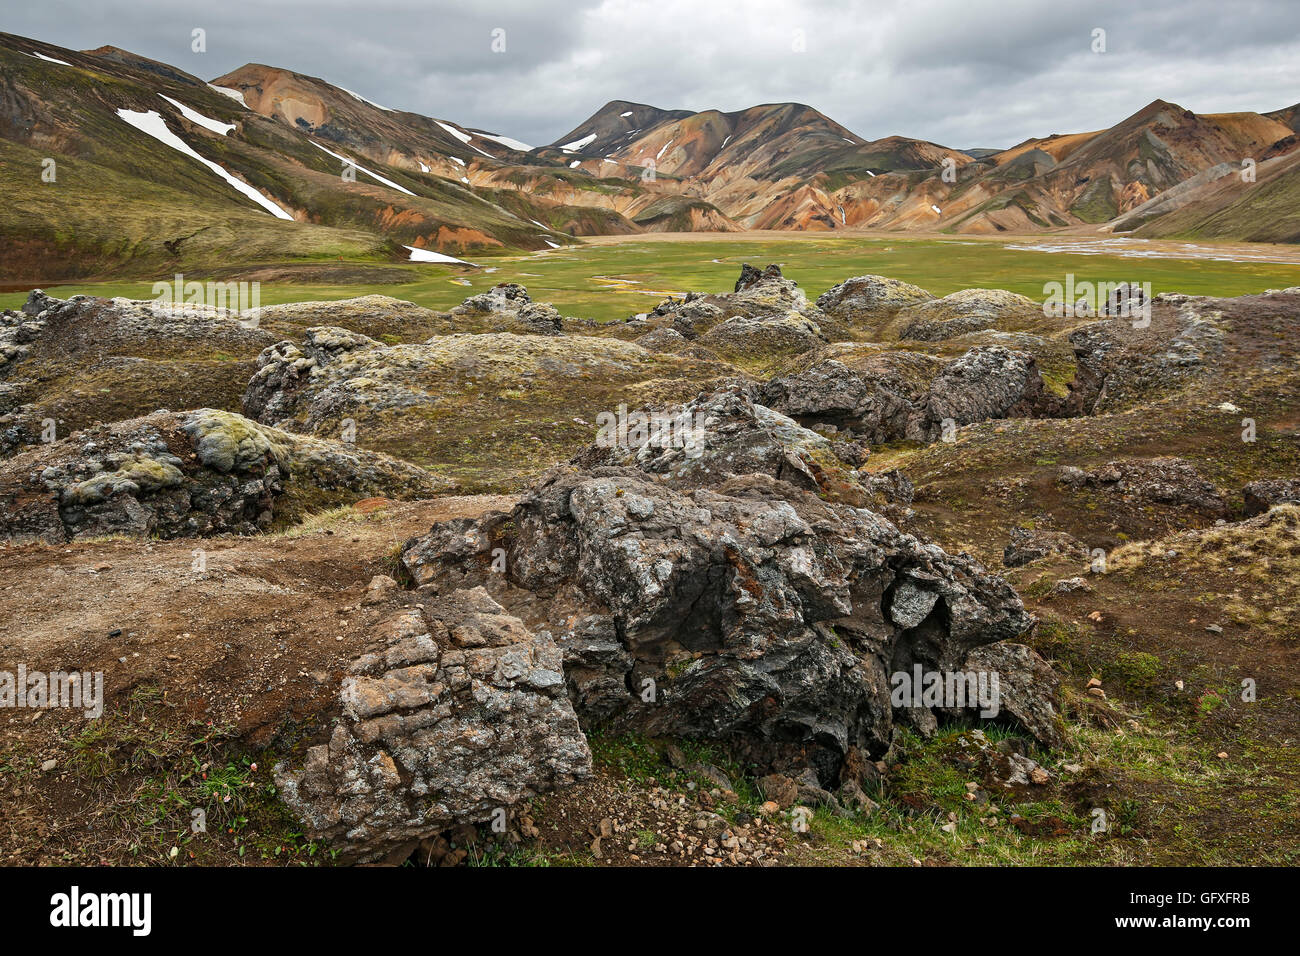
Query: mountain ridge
x,y
364,180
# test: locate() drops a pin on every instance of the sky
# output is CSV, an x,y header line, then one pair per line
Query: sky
x,y
964,73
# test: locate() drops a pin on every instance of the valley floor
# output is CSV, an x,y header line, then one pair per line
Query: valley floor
x,y
612,277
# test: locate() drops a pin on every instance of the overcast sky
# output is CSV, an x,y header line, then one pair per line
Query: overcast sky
x,y
965,73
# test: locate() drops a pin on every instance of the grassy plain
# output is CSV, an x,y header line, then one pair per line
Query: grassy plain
x,y
609,280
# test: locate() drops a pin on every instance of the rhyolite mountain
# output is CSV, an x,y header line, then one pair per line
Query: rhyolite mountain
x,y
122,201
264,165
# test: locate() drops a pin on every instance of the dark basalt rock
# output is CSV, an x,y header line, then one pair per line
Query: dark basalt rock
x,y
1164,481
1260,496
709,595
900,394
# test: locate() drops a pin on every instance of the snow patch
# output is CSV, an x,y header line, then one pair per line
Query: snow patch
x,y
463,137
628,113
426,255
505,141
936,208
575,164
387,182
579,143
423,168
49,59
235,95
358,96
152,124
198,119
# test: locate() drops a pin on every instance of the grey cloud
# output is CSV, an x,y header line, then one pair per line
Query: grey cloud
x,y
959,72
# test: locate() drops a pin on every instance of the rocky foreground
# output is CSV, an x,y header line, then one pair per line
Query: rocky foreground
x,y
719,533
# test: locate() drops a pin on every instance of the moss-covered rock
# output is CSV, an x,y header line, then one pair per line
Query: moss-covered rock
x,y
177,474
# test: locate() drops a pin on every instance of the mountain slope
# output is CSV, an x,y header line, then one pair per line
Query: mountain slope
x,y
154,128
1229,208
1071,179
156,170
764,167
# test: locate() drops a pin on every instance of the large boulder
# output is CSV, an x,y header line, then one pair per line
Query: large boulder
x,y
986,383
457,712
1027,689
966,311
698,592
869,297
875,398
179,474
888,395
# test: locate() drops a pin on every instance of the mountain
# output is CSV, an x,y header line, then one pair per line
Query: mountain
x,y
766,167
1289,117
1079,178
155,170
1220,204
114,163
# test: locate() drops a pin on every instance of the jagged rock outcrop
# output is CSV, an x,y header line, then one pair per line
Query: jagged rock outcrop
x,y
1182,344
499,406
1162,481
1260,496
694,594
869,297
457,711
767,288
511,304
889,395
180,474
